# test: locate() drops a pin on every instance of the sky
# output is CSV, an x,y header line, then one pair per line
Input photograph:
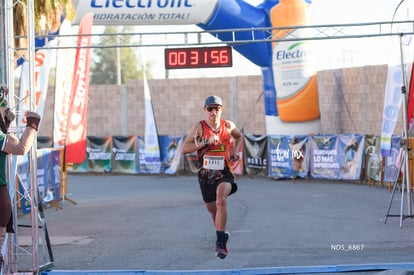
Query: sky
x,y
330,53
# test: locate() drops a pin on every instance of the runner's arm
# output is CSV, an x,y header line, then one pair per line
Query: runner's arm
x,y
192,142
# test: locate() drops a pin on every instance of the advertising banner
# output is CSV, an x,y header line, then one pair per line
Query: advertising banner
x,y
392,163
48,178
145,166
152,156
373,158
41,74
324,157
65,62
255,155
171,151
350,155
98,153
78,108
336,157
124,154
146,12
289,156
79,167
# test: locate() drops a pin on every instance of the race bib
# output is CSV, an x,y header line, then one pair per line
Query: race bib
x,y
213,162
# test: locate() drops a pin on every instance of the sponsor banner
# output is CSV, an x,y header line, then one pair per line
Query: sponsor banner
x,y
373,158
324,157
392,163
54,183
145,166
124,154
48,178
171,151
41,78
152,157
79,167
255,155
350,155
336,157
65,63
166,12
401,51
289,156
392,105
98,154
77,115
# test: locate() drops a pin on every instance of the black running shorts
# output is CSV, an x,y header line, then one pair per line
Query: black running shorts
x,y
210,179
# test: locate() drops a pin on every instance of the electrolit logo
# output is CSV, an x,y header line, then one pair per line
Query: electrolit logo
x,y
146,12
141,4
292,68
293,52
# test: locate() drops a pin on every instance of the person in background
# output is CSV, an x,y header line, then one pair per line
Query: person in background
x,y
10,144
211,139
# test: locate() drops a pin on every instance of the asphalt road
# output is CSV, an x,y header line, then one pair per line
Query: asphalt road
x,y
151,222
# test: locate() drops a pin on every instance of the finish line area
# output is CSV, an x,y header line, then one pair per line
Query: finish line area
x,y
150,224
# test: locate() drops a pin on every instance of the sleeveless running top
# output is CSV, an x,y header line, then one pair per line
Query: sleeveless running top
x,y
219,150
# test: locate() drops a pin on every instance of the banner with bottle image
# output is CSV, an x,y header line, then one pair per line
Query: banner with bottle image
x,y
336,156
124,154
289,156
255,155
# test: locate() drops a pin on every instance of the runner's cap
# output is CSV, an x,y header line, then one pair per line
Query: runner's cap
x,y
213,100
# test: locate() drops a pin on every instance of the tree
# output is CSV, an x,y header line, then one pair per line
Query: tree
x,y
104,63
47,18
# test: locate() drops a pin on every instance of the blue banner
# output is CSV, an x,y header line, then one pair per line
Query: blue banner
x,y
289,156
392,164
336,157
171,152
324,162
350,155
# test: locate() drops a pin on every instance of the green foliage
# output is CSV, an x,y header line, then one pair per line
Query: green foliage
x,y
104,60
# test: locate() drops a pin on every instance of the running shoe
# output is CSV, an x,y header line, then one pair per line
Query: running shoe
x,y
221,251
226,238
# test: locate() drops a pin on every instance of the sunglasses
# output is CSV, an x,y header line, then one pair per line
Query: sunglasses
x,y
210,109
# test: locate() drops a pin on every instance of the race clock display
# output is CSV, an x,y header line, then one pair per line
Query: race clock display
x,y
198,57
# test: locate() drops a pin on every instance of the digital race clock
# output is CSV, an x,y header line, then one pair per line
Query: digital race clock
x,y
198,57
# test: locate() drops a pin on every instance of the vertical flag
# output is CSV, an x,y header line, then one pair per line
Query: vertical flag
x,y
410,108
151,148
78,108
395,80
63,84
41,74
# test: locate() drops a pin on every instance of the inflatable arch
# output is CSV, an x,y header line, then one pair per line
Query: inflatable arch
x,y
290,93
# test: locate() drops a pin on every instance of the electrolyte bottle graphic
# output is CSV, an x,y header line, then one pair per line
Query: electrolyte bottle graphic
x,y
293,66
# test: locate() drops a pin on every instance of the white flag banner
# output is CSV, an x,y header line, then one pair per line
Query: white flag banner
x,y
151,148
400,51
41,75
65,63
